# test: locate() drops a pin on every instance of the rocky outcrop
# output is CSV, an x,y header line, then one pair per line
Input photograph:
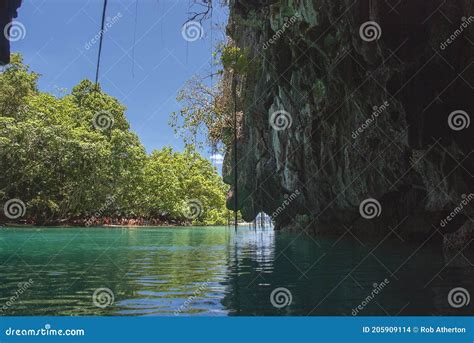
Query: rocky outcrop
x,y
8,10
355,100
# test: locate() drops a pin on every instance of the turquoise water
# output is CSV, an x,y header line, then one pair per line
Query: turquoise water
x,y
217,272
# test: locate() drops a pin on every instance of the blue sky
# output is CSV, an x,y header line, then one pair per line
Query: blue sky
x,y
145,77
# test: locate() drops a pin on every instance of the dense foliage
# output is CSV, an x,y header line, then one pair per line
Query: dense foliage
x,y
72,157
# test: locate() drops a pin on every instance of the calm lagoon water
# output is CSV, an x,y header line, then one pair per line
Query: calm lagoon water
x,y
216,272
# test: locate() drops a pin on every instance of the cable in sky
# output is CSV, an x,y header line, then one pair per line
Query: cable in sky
x,y
104,10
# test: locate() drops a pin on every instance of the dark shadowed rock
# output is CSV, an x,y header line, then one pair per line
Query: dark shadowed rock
x,y
8,10
375,100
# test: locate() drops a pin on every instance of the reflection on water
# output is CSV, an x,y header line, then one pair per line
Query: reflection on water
x,y
215,271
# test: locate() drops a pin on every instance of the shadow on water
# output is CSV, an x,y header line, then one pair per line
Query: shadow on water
x,y
215,271
327,276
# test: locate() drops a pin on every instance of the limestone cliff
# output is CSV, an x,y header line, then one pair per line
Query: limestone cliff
x,y
355,100
8,10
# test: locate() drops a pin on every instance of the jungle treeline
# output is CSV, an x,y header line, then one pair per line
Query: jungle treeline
x,y
71,157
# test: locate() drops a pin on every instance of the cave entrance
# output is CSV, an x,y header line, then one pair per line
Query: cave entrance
x,y
262,221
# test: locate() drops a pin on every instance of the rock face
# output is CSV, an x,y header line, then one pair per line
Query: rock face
x,y
356,100
8,10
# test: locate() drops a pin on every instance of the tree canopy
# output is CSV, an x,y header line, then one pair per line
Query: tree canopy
x,y
74,156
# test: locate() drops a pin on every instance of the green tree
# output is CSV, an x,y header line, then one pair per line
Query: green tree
x,y
185,186
66,156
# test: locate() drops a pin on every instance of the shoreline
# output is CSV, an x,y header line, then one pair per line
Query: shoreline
x,y
13,225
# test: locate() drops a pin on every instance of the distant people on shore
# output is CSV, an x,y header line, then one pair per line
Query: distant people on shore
x,y
124,221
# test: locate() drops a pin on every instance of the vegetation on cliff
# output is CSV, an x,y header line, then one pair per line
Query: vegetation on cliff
x,y
208,109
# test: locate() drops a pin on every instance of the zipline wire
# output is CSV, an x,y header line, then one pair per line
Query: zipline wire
x,y
235,157
104,10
